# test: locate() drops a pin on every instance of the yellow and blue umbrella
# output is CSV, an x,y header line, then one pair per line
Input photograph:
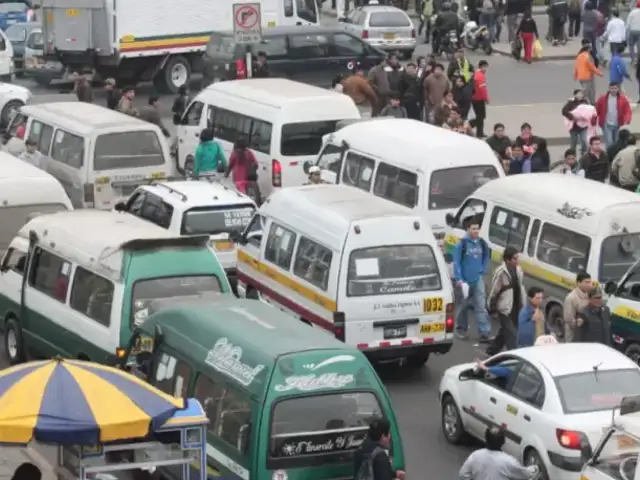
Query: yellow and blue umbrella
x,y
71,402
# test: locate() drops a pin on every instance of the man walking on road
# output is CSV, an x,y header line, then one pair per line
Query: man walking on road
x,y
595,162
470,264
480,97
361,92
614,112
573,303
585,72
531,322
593,321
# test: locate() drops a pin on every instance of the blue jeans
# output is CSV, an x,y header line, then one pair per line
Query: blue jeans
x,y
489,20
610,134
581,137
476,300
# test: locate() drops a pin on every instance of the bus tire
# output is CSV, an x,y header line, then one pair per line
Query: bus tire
x,y
176,72
633,352
252,294
13,342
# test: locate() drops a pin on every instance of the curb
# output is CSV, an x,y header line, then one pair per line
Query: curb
x,y
550,58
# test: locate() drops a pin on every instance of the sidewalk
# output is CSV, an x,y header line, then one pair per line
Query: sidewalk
x,y
549,52
12,457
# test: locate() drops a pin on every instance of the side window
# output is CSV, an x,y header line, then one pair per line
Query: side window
x,y
68,149
563,248
347,46
528,386
20,119
472,208
395,184
50,274
308,47
288,8
533,238
227,125
156,211
15,260
358,171
508,228
280,245
41,133
234,417
92,295
260,138
274,46
211,116
210,396
503,382
253,232
630,289
135,202
313,263
172,375
331,158
193,115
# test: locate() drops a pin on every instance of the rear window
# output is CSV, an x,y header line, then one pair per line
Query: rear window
x,y
392,270
16,33
389,19
597,390
212,221
10,7
127,150
304,138
451,186
221,47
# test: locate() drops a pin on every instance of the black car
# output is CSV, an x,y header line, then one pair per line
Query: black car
x,y
309,54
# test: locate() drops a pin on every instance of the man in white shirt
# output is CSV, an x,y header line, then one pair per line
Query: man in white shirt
x,y
31,154
616,32
633,30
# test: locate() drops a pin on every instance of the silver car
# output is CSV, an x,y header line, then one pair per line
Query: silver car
x,y
387,28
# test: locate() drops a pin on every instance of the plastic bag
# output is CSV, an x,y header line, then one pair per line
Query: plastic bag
x,y
537,49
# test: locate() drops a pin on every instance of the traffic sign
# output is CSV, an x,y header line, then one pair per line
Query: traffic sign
x,y
247,22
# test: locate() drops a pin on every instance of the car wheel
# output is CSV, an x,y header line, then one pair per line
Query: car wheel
x,y
633,352
13,342
452,426
417,360
43,81
188,167
252,294
8,111
176,72
532,457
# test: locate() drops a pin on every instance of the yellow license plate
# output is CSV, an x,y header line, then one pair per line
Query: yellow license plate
x,y
72,12
432,328
223,246
389,36
144,344
157,175
433,305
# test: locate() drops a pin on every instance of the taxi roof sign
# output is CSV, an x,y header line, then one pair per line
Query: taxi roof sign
x,y
630,405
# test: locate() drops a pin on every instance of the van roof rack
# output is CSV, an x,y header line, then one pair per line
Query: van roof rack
x,y
172,190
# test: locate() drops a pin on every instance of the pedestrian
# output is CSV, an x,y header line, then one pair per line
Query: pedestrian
x,y
151,114
614,112
516,160
442,114
568,165
500,16
261,67
394,107
461,97
617,67
559,10
540,159
593,321
638,77
243,166
506,299
528,32
371,461
412,92
379,80
314,176
480,97
361,92
470,264
615,33
125,105
180,104
633,31
113,94
595,162
625,167
575,17
574,302
82,87
585,71
31,154
488,14
499,140
460,66
425,19
209,158
578,125
531,321
436,86
491,462
590,30
526,137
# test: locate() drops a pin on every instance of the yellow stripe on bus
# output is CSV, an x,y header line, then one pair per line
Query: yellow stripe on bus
x,y
627,313
287,282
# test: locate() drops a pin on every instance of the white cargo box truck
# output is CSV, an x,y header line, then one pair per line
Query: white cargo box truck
x,y
159,40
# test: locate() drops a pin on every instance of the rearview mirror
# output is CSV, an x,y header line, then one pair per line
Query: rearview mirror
x,y
468,374
306,166
610,287
235,236
450,219
120,207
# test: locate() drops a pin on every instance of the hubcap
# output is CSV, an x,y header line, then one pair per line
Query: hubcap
x,y
533,460
12,344
179,74
450,420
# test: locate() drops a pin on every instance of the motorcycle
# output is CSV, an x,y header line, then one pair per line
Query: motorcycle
x,y
474,37
450,44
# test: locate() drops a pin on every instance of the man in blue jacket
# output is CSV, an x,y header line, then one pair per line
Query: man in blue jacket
x,y
618,71
470,264
531,321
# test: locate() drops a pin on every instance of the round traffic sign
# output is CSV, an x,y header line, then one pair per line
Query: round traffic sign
x,y
247,17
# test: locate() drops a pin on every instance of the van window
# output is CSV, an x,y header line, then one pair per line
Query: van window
x,y
221,47
395,184
533,238
346,45
619,253
49,274
260,139
358,171
146,291
41,133
253,232
210,395
298,438
68,149
155,210
472,208
280,243
14,218
172,375
508,228
193,115
15,260
213,221
308,46
392,270
92,295
313,263
331,158
563,248
304,138
307,10
127,150
449,187
228,125
273,46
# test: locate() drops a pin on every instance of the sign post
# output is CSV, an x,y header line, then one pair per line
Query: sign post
x,y
247,28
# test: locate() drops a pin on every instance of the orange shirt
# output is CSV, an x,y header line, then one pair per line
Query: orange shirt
x,y
584,68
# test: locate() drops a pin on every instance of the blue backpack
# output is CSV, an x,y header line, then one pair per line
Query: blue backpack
x,y
485,248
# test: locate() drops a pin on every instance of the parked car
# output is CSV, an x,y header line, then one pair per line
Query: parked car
x,y
12,97
19,35
19,11
383,27
308,54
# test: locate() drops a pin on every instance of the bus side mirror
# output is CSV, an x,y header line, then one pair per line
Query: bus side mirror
x,y
306,166
120,207
610,287
235,236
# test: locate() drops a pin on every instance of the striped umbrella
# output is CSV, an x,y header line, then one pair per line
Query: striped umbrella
x,y
72,402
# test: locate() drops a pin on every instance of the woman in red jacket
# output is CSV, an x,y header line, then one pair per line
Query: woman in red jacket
x,y
480,97
609,120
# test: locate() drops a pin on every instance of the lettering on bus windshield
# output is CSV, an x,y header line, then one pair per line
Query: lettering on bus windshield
x,y
311,382
226,358
327,443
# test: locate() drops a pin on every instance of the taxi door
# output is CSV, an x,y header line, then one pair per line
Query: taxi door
x,y
194,120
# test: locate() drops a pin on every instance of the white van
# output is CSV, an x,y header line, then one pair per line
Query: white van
x,y
25,190
283,122
560,224
100,156
366,270
7,68
423,167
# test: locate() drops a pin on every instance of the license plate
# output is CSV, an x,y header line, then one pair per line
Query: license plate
x,y
433,305
432,328
389,36
223,246
395,332
143,344
72,12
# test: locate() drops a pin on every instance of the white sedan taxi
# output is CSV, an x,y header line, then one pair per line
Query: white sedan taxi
x,y
550,400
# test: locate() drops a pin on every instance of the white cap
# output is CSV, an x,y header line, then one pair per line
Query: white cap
x,y
314,169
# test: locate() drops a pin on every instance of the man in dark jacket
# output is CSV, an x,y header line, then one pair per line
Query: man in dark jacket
x,y
261,69
576,133
374,449
499,142
113,94
151,114
82,87
594,321
595,162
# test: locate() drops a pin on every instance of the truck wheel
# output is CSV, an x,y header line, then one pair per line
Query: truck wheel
x,y
13,342
176,72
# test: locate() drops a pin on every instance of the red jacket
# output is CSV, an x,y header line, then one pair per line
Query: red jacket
x,y
624,110
480,92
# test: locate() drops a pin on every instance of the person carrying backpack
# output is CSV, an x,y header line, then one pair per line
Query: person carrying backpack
x,y
209,157
371,461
